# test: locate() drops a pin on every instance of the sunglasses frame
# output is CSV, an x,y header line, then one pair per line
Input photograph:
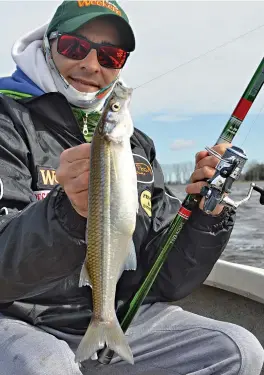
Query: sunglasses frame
x,y
96,46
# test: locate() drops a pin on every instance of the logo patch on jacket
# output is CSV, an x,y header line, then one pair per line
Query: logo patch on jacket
x,y
46,177
41,194
145,201
143,169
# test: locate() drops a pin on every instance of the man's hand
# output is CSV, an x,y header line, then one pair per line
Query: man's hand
x,y
73,176
204,169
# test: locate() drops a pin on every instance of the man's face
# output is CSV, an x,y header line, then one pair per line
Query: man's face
x,y
88,75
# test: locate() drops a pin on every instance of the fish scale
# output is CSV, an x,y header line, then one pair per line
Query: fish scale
x,y
99,226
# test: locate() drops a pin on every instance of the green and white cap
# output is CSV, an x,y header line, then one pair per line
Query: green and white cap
x,y
72,14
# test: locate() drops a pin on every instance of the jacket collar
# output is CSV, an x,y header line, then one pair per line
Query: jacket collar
x,y
55,107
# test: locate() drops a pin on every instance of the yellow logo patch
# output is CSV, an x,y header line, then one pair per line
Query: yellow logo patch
x,y
46,177
145,201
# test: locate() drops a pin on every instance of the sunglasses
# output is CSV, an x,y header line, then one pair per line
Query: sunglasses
x,y
77,47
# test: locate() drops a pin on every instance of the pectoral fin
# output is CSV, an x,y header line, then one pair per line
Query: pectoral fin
x,y
84,277
131,260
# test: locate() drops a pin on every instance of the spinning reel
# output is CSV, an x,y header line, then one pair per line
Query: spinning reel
x,y
227,171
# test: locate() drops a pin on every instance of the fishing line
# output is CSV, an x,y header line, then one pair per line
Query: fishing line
x,y
203,55
199,56
252,125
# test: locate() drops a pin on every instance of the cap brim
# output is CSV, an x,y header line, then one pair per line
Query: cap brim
x,y
77,22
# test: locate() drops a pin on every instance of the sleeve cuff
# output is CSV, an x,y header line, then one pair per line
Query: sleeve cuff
x,y
202,221
69,219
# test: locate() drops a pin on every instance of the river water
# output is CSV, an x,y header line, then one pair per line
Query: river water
x,y
246,245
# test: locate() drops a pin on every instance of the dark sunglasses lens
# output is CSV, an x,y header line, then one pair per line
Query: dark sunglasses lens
x,y
111,57
73,47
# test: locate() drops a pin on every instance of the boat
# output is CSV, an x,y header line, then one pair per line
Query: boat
x,y
234,293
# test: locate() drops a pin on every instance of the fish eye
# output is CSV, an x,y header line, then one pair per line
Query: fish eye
x,y
115,106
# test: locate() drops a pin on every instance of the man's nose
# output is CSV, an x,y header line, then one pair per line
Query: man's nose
x,y
90,62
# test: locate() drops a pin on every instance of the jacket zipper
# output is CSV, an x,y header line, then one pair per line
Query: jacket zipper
x,y
85,126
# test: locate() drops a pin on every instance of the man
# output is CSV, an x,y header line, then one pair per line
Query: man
x,y
48,111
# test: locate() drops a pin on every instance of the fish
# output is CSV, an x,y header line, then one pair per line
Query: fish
x,y
111,221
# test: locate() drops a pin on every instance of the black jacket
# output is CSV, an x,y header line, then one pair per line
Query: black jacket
x,y
42,245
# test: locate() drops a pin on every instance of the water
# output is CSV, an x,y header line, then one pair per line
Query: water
x,y
246,244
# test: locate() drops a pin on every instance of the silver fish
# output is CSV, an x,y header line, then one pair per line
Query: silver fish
x,y
112,210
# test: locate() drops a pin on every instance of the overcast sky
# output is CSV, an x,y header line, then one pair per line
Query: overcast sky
x,y
185,110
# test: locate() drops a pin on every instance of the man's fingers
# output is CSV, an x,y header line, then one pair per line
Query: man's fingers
x,y
220,149
195,188
200,155
202,174
78,184
204,168
210,161
77,168
76,153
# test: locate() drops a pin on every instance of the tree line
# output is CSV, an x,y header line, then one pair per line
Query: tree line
x,y
177,174
254,172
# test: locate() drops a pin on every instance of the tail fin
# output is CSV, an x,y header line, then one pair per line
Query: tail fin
x,y
100,333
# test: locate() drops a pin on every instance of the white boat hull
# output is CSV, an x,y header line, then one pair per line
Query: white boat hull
x,y
232,293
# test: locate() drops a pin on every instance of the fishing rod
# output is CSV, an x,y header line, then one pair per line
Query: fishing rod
x,y
227,171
